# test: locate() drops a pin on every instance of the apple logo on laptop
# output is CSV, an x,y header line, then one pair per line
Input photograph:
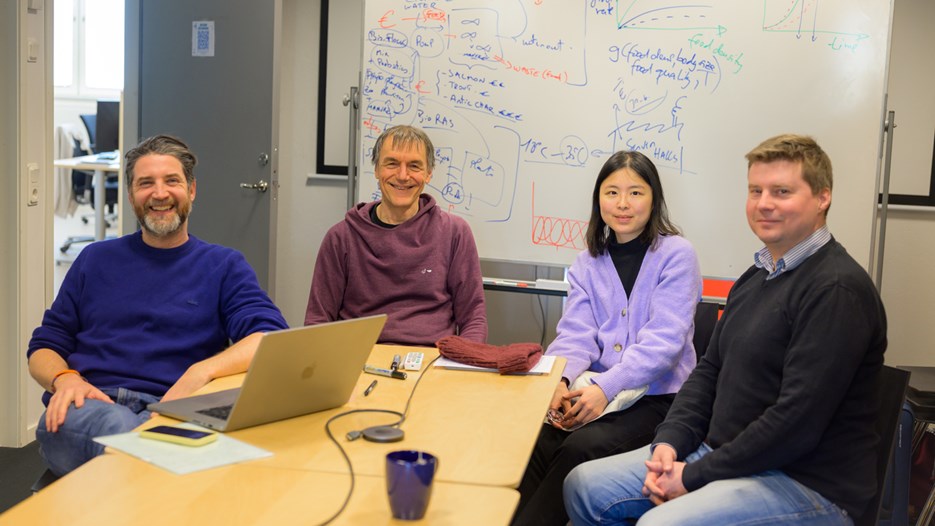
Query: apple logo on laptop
x,y
309,371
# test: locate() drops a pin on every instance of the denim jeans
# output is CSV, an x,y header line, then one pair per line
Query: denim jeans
x,y
72,445
609,491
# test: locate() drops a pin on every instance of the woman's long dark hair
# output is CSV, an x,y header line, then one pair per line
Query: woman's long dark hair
x,y
659,224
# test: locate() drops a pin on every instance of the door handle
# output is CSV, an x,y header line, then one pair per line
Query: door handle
x,y
260,186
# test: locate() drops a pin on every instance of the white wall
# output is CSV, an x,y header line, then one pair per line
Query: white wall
x,y
25,231
908,281
35,222
909,287
911,73
69,111
8,151
305,211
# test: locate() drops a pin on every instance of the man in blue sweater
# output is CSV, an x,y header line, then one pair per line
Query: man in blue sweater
x,y
145,317
775,424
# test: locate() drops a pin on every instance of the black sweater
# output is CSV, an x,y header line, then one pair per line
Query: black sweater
x,y
789,382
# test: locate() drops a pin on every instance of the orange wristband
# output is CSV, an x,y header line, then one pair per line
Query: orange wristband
x,y
60,373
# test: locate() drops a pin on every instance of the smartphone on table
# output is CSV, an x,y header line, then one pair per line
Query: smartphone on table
x,y
179,435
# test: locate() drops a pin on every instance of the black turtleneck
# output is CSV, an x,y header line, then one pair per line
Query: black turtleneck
x,y
627,258
376,220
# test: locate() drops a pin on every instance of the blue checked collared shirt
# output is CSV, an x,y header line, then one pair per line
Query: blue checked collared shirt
x,y
793,258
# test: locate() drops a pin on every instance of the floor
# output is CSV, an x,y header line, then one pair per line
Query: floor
x,y
20,468
64,228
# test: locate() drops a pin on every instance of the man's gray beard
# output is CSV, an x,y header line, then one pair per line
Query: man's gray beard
x,y
162,228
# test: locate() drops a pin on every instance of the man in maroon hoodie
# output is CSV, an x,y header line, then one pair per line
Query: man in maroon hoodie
x,y
401,255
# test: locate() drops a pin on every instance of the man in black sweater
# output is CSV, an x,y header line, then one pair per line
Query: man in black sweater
x,y
775,425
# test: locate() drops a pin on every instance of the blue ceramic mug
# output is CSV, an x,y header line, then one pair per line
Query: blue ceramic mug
x,y
409,477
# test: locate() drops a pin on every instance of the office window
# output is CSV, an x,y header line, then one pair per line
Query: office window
x,y
88,54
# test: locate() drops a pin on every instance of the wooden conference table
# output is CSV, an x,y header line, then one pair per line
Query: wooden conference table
x,y
482,427
100,167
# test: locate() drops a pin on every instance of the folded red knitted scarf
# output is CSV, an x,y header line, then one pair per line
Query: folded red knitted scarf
x,y
513,358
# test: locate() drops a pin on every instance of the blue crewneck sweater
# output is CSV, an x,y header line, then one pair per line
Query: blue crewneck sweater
x,y
133,316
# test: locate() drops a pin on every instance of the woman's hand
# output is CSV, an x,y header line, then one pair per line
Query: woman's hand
x,y
559,405
591,403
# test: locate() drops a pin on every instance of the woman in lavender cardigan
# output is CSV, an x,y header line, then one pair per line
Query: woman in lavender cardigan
x,y
627,326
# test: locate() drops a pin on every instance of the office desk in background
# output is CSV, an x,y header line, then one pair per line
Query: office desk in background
x,y
100,167
482,426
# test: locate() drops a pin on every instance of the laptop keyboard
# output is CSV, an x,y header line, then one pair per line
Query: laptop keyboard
x,y
221,412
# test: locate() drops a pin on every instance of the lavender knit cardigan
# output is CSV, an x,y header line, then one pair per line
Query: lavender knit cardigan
x,y
645,339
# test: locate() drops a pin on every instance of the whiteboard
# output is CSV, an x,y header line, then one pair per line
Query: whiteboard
x,y
525,100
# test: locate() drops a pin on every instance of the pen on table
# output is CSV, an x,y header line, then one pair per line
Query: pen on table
x,y
395,365
399,375
370,388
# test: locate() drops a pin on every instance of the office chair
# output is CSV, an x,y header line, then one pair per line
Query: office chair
x,y
921,398
90,124
111,189
892,395
705,319
81,187
111,181
894,506
81,179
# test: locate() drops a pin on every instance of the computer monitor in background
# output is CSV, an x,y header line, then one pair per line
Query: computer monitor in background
x,y
107,128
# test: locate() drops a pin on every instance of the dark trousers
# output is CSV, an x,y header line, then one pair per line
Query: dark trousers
x,y
557,452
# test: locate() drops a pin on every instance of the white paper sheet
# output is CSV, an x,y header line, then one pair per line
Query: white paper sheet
x,y
181,459
543,367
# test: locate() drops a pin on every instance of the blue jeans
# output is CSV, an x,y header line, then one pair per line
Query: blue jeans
x,y
72,445
609,491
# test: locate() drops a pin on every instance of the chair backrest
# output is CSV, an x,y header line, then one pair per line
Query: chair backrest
x,y
705,320
90,124
77,150
892,394
81,180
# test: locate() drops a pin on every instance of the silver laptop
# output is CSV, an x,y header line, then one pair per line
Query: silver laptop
x,y
294,372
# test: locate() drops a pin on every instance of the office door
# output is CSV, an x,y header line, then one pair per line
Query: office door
x,y
218,95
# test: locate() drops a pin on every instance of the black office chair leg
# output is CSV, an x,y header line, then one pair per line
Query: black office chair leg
x,y
44,480
73,240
